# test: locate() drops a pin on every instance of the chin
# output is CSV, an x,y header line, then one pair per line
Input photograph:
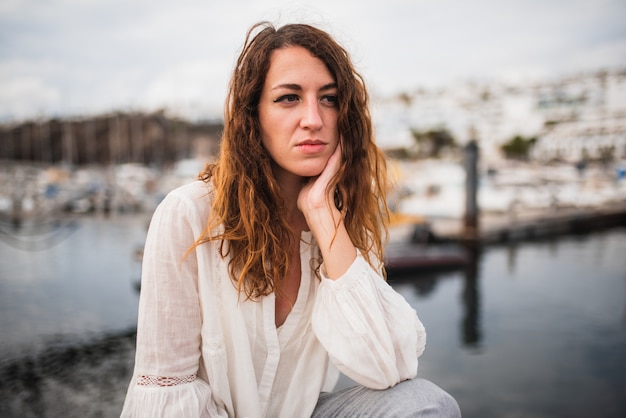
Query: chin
x,y
308,170
311,172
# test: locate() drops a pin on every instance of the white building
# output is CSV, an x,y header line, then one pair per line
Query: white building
x,y
586,119
571,117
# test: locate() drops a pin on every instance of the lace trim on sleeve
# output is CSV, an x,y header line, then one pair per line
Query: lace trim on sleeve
x,y
164,381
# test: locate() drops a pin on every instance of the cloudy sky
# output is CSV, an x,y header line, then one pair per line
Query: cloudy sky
x,y
74,57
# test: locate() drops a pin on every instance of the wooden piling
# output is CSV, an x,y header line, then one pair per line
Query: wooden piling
x,y
470,221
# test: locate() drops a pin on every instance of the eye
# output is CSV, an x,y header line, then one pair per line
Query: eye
x,y
287,98
330,100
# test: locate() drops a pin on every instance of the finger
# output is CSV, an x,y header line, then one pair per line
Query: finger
x,y
334,162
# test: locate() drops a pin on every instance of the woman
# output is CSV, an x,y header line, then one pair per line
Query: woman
x,y
264,279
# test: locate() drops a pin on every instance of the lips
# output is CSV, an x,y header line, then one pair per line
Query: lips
x,y
312,142
311,146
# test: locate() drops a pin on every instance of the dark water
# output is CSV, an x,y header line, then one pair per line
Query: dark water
x,y
68,312
533,330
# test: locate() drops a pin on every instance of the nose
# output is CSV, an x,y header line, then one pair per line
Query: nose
x,y
311,115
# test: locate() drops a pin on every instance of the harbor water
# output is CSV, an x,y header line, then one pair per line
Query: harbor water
x,y
532,329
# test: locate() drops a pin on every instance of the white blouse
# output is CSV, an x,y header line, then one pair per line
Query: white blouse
x,y
205,351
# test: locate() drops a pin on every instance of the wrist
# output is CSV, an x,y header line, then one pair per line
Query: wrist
x,y
323,216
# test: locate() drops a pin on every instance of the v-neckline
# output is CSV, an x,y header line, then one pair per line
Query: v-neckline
x,y
286,329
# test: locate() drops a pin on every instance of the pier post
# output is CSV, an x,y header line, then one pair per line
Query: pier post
x,y
470,221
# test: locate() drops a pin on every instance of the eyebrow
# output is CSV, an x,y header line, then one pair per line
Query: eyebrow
x,y
298,87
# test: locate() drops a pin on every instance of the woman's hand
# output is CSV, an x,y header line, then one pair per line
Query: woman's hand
x,y
316,195
316,201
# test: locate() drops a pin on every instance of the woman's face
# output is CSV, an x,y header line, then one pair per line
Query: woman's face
x,y
298,113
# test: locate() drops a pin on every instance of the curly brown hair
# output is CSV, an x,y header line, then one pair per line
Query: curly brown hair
x,y
246,199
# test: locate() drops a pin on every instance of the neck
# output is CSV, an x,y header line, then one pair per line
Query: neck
x,y
290,187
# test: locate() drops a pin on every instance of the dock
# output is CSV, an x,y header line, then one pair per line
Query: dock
x,y
532,224
448,246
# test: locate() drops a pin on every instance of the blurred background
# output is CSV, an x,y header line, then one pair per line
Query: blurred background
x,y
504,123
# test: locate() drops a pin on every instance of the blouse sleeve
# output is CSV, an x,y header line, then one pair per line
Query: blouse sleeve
x,y
370,331
165,382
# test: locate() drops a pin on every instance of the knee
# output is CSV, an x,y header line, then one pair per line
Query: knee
x,y
433,401
445,405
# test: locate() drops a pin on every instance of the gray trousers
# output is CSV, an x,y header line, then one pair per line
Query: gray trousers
x,y
411,398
